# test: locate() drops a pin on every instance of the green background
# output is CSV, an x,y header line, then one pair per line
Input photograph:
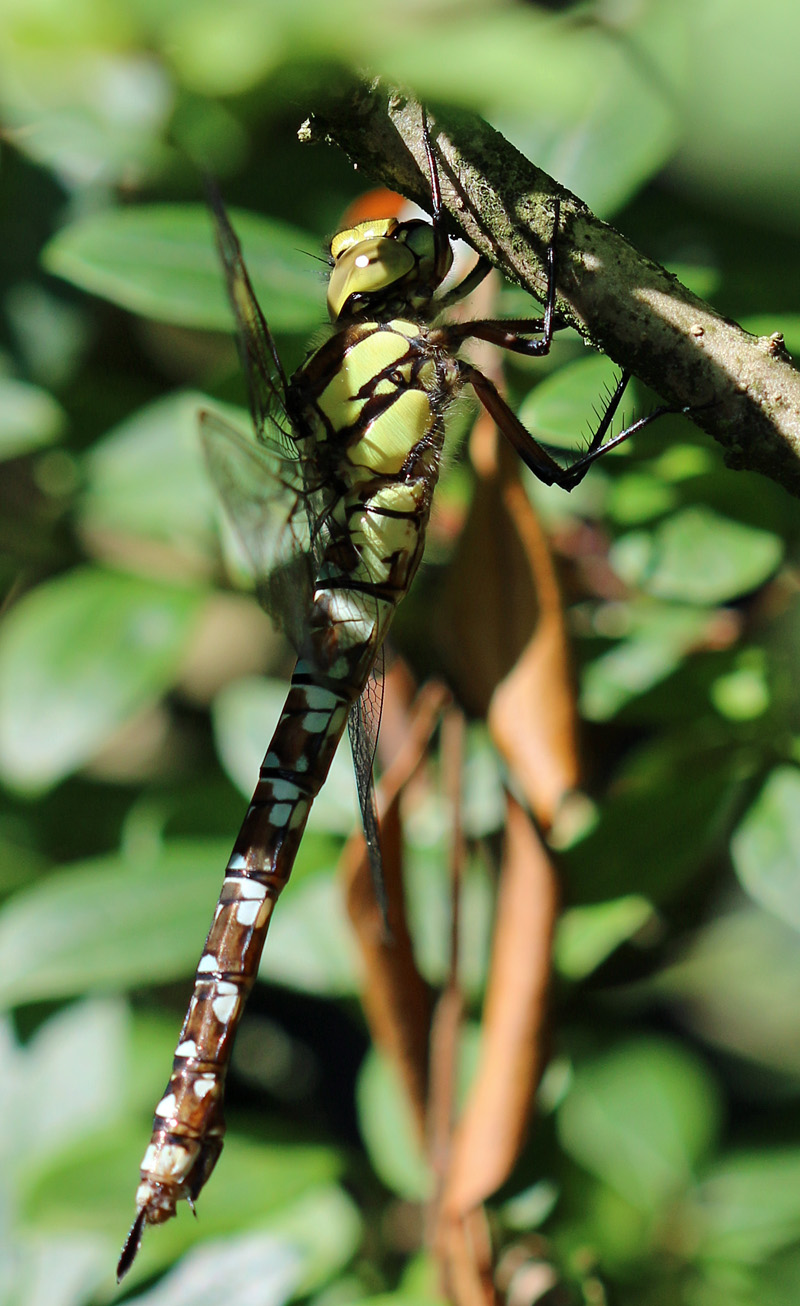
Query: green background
x,y
665,1166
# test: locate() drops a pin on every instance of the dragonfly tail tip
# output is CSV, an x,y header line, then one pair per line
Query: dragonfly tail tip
x,y
132,1244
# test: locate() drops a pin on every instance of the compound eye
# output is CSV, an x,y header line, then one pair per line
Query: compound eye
x,y
421,239
365,268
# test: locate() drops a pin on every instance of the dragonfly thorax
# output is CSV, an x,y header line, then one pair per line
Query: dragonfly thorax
x,y
383,264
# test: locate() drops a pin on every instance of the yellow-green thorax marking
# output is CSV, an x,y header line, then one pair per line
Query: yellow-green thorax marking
x,y
367,406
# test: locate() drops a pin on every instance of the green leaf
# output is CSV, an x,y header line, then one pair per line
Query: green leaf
x,y
737,985
100,106
326,1225
683,462
388,1130
670,805
19,862
294,1252
285,1258
386,1123
641,1118
605,120
777,1283
747,1206
79,656
60,1270
627,127
232,1270
29,418
399,1298
108,924
766,846
429,904
152,1034
588,935
760,167
258,1180
52,335
744,693
638,497
311,944
561,409
113,923
657,640
483,796
698,556
147,477
48,1100
160,261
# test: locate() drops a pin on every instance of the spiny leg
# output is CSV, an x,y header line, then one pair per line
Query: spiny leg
x,y
578,470
442,252
470,282
481,270
513,333
535,457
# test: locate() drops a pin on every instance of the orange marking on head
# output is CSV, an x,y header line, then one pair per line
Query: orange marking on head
x,y
378,203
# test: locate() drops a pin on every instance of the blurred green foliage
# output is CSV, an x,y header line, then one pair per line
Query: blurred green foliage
x,y
665,1165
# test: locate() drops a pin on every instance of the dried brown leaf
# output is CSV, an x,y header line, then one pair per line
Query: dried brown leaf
x,y
503,634
532,716
492,1129
396,998
464,1252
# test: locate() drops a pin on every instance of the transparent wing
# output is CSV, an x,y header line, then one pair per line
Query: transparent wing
x,y
262,494
281,523
266,379
363,725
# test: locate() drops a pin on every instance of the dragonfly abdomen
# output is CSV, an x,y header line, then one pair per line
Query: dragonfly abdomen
x,y
188,1125
350,615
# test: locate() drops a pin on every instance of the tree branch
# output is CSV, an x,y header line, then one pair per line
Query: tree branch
x,y
618,299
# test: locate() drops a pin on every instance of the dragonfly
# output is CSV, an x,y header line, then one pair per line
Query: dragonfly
x,y
332,498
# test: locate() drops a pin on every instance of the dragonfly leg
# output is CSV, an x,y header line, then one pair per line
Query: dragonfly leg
x,y
480,271
470,282
535,457
514,333
442,254
578,470
529,450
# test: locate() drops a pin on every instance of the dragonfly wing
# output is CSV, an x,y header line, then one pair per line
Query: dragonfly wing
x,y
266,379
264,501
363,725
284,543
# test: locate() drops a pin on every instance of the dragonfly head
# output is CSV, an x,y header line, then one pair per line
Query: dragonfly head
x,y
383,262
